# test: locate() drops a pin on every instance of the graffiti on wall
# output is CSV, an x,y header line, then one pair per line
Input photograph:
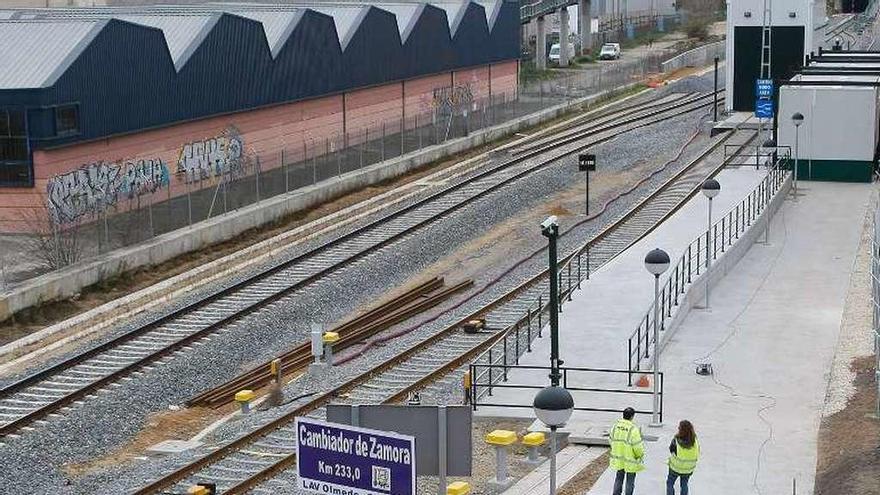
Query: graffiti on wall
x,y
93,188
215,157
452,99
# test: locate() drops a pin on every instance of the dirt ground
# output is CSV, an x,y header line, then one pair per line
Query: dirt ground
x,y
165,425
849,441
585,480
484,454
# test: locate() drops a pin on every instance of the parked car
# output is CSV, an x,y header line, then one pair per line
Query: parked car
x,y
610,51
555,50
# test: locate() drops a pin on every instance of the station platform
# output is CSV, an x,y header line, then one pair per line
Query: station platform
x,y
740,120
770,334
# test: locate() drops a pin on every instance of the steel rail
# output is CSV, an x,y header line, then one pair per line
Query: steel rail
x,y
190,469
350,333
80,393
473,353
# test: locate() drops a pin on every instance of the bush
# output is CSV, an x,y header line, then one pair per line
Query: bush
x,y
697,27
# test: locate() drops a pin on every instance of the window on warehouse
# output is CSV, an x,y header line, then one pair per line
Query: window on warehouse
x,y
15,164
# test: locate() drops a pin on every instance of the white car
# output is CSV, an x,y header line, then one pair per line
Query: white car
x,y
610,51
555,52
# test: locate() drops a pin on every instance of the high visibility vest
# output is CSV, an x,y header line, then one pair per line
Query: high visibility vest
x,y
684,461
627,449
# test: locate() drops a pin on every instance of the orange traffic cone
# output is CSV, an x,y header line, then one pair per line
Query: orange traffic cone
x,y
643,382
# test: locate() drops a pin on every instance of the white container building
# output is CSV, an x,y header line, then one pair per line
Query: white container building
x,y
839,135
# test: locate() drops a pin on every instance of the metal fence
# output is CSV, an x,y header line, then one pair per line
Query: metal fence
x,y
875,298
698,256
260,174
499,380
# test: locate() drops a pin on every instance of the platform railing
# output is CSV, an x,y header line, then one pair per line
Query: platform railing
x,y
696,257
485,386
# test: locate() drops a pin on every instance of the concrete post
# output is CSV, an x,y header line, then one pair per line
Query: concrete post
x,y
541,43
584,20
563,37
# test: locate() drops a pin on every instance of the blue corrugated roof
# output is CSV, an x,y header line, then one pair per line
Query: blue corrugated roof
x,y
131,68
33,53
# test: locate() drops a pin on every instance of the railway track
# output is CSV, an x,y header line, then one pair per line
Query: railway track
x,y
66,384
415,301
259,461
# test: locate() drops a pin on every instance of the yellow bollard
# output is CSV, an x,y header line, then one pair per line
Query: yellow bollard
x,y
458,488
501,439
244,398
533,440
329,339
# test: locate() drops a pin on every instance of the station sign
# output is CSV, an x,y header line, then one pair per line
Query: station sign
x,y
764,89
336,458
587,162
764,109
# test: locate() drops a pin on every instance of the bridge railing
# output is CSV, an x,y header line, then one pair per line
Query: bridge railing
x,y
698,57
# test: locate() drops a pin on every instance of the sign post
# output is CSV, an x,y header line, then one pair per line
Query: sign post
x,y
764,98
587,164
336,458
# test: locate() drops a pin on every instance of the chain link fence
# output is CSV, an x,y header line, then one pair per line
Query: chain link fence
x,y
258,175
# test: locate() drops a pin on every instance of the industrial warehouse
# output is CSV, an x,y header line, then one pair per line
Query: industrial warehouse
x,y
186,94
463,247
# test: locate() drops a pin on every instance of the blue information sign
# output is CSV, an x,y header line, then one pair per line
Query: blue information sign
x,y
335,458
764,109
764,88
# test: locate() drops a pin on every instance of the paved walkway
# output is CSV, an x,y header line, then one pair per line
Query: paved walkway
x,y
771,338
770,335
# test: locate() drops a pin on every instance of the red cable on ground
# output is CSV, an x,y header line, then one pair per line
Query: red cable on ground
x,y
378,340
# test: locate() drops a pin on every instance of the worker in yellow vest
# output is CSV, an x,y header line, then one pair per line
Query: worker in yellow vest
x,y
627,451
684,452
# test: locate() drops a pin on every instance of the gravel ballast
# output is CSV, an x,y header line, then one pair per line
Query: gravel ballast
x,y
30,464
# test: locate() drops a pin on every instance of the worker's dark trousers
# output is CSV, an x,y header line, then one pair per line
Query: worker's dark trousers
x,y
630,482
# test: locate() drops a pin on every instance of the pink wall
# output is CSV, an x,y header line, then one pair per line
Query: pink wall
x,y
316,123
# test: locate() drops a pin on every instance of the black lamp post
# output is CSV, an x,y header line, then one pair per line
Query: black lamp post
x,y
656,262
711,188
797,119
553,406
550,230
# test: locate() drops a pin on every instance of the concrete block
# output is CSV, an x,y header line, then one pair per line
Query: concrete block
x,y
173,446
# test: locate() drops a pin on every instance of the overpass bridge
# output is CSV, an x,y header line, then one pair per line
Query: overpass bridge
x,y
536,11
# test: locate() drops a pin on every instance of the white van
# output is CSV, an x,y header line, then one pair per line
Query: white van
x,y
555,50
609,51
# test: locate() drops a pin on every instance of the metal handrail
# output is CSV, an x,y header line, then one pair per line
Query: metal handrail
x,y
695,259
475,392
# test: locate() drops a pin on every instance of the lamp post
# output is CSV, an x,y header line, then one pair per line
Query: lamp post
x,y
769,144
715,94
656,262
553,406
550,230
711,188
797,119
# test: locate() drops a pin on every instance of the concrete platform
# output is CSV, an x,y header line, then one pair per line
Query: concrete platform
x,y
594,327
770,334
741,120
771,338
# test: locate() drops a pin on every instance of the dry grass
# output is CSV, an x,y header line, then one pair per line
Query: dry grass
x,y
848,458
